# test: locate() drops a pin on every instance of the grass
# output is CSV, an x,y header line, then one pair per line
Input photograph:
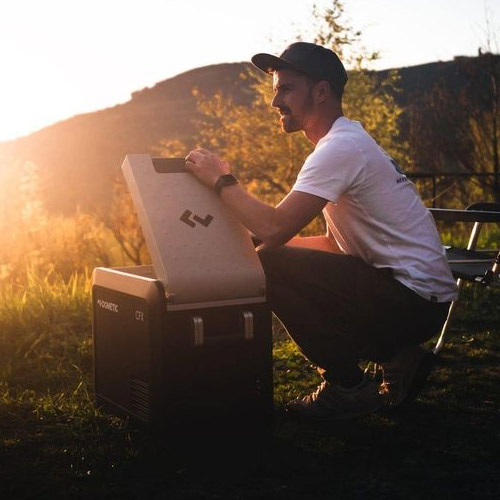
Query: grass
x,y
55,444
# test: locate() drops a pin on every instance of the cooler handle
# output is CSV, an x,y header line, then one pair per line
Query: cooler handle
x,y
200,339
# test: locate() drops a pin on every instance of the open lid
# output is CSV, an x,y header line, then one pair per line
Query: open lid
x,y
200,252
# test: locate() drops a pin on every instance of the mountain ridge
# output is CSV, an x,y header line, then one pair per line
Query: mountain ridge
x,y
79,157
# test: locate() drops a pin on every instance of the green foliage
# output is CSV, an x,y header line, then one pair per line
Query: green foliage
x,y
249,137
455,127
368,99
121,221
478,309
457,234
48,418
448,441
47,410
33,238
45,332
294,376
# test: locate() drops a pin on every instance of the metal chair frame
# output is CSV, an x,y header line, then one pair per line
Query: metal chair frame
x,y
470,264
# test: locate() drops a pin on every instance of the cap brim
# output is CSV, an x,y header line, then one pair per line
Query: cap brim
x,y
269,63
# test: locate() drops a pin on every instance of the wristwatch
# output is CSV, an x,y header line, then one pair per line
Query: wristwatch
x,y
224,180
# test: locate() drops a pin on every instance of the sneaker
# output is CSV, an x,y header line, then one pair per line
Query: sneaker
x,y
334,402
405,375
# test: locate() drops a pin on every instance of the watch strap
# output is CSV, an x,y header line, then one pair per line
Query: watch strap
x,y
224,180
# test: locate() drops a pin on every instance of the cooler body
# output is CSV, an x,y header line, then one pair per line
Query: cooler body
x,y
127,323
172,365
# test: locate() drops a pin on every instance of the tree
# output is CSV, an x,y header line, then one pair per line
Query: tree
x,y
249,136
456,128
484,121
121,220
367,98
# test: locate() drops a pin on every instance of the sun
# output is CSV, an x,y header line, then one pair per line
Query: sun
x,y
33,92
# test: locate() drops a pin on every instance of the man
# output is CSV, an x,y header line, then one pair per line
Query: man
x,y
378,284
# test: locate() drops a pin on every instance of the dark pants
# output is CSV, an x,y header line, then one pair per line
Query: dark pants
x,y
339,310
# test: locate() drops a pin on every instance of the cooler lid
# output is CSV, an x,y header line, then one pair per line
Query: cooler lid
x,y
199,251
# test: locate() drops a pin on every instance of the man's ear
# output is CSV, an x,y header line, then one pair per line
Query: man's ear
x,y
322,91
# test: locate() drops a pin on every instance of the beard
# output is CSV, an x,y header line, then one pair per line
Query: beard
x,y
288,122
293,122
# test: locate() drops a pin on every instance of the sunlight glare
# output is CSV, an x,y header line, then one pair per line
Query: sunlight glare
x,y
38,93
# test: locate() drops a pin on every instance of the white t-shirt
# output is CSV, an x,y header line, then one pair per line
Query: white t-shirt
x,y
374,212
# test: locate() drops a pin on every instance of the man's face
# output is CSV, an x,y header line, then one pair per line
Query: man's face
x,y
293,98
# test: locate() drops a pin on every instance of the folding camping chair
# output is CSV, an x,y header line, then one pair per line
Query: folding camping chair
x,y
480,266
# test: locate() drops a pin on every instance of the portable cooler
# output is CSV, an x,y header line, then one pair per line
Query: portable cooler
x,y
186,341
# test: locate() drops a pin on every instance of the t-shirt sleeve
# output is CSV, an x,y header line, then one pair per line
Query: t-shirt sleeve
x,y
330,170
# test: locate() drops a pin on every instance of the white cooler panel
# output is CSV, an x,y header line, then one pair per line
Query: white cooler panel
x,y
199,251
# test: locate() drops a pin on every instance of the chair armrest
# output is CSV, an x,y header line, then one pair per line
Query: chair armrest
x,y
451,215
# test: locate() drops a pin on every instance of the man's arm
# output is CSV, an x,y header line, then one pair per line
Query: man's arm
x,y
323,243
273,225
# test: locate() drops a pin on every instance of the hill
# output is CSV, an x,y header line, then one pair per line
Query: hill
x,y
78,158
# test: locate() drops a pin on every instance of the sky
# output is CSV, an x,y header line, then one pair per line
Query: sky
x,y
59,58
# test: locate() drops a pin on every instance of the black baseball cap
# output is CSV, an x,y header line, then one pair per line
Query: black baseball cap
x,y
314,60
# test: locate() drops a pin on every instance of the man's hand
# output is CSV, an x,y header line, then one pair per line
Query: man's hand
x,y
206,166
